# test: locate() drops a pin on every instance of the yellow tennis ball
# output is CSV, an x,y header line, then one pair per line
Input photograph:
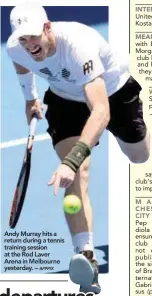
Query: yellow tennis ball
x,y
71,204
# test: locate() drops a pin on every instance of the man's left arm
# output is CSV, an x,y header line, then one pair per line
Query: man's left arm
x,y
97,101
88,70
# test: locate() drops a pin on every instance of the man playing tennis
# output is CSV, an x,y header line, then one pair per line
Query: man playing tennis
x,y
89,91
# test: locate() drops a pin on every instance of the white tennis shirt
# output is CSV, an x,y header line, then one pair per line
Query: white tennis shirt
x,y
81,55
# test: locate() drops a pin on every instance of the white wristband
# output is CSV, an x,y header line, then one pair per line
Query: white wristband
x,y
28,85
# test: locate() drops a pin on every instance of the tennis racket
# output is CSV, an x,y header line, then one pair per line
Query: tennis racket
x,y
23,179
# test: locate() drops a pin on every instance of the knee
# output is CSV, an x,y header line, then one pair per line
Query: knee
x,y
83,172
80,184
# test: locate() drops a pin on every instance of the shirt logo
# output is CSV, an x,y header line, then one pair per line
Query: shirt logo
x,y
88,67
51,77
57,77
46,71
65,73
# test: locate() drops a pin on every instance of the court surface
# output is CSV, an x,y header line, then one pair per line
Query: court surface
x,y
42,210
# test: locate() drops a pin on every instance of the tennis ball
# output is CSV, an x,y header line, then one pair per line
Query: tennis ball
x,y
71,204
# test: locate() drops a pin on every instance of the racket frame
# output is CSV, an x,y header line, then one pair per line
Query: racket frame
x,y
17,205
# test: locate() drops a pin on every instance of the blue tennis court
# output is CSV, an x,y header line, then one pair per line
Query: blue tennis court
x,y
43,211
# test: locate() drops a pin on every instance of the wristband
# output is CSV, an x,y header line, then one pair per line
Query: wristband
x,y
76,156
28,85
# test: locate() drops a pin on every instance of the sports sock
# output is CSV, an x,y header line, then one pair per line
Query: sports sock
x,y
83,241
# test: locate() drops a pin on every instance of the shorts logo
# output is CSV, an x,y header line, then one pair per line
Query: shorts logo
x,y
88,67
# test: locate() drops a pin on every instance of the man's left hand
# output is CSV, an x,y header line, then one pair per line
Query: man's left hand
x,y
63,177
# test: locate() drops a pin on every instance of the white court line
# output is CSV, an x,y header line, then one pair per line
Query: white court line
x,y
22,141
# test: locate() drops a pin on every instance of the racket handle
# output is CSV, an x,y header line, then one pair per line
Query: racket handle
x,y
33,124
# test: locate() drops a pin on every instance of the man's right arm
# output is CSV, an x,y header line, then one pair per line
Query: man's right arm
x,y
20,69
28,85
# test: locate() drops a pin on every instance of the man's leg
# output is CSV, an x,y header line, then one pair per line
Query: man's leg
x,y
82,221
127,122
136,152
80,224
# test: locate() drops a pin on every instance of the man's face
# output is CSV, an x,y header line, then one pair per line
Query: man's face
x,y
37,46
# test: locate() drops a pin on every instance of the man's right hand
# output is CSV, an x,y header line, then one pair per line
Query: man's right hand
x,y
32,107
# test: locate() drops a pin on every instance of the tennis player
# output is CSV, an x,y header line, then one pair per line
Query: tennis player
x,y
89,91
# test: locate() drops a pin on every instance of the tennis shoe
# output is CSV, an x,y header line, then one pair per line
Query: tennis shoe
x,y
84,271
